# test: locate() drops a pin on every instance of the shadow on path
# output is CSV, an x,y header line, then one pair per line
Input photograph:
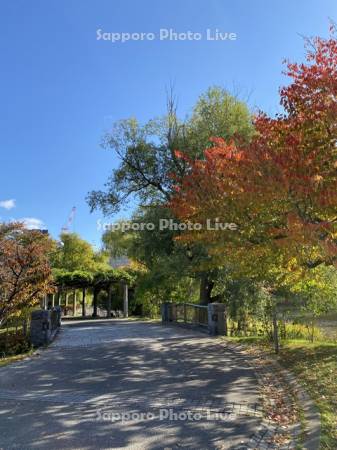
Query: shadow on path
x,y
67,396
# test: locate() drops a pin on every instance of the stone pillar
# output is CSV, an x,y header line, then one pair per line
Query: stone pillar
x,y
173,316
216,319
58,311
166,312
169,312
40,328
126,300
44,325
185,313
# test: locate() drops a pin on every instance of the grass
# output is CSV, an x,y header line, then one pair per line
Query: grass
x,y
9,359
10,329
315,367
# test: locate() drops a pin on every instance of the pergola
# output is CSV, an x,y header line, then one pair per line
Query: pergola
x,y
70,282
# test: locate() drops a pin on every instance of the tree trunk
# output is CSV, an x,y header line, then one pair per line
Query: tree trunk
x,y
225,325
206,286
275,333
126,300
83,302
66,305
108,309
58,297
94,314
312,337
74,304
24,327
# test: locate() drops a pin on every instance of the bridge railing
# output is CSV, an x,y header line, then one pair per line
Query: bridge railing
x,y
193,314
211,317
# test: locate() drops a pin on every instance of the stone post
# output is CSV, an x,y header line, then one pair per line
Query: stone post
x,y
216,319
166,312
44,325
173,316
40,328
59,315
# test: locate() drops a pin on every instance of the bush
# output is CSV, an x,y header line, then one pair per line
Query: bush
x,y
13,343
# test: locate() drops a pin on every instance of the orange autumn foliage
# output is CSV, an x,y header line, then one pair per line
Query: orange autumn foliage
x,y
281,188
25,273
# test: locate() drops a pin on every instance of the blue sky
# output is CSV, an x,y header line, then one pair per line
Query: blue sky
x,y
61,87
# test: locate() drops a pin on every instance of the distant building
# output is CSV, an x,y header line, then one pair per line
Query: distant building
x,y
120,261
34,230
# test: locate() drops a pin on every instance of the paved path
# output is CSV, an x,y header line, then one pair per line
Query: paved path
x,y
70,395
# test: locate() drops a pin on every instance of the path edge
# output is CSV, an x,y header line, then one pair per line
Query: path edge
x,y
312,418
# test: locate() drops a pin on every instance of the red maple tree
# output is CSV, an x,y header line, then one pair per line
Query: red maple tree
x,y
281,187
25,273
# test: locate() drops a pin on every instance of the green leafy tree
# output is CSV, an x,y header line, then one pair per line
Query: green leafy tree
x,y
147,152
74,253
164,267
148,166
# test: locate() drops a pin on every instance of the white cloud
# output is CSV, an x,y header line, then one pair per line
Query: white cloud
x,y
7,204
32,223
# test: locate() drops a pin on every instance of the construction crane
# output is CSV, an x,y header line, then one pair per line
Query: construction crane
x,y
67,225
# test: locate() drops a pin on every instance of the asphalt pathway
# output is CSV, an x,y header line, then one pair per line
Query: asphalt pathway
x,y
126,384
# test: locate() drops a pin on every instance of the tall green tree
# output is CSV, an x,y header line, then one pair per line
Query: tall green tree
x,y
146,152
74,253
148,163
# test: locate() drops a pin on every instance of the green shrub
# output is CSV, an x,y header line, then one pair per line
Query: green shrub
x,y
13,343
